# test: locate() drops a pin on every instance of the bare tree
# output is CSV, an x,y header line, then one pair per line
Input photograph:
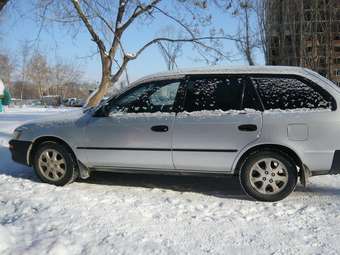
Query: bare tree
x,y
262,26
6,68
25,51
38,72
108,21
170,51
247,38
63,75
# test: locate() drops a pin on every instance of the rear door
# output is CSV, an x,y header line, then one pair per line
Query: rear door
x,y
221,115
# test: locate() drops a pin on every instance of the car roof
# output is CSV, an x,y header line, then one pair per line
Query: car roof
x,y
223,70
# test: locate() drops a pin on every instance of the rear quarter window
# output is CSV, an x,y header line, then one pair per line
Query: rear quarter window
x,y
288,93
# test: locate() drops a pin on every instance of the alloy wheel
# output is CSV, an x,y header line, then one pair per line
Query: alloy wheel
x,y
268,176
52,165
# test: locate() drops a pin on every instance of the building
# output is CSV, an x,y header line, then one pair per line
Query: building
x,y
304,33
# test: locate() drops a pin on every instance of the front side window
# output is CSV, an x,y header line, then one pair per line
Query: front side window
x,y
149,97
213,93
165,96
291,93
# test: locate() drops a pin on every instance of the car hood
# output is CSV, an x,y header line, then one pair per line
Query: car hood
x,y
54,120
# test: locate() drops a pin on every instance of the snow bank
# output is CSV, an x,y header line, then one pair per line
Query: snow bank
x,y
6,239
32,109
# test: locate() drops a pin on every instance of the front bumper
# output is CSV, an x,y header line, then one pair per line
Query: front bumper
x,y
19,150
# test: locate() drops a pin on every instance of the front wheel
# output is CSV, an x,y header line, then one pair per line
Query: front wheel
x,y
268,176
54,164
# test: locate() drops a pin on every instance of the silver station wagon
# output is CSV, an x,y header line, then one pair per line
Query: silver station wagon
x,y
267,125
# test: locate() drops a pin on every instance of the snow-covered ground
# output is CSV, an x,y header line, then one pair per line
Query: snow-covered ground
x,y
143,214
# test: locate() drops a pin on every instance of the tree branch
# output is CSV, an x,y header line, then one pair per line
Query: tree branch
x,y
176,20
98,15
118,32
121,69
197,40
192,35
138,11
119,29
121,10
89,27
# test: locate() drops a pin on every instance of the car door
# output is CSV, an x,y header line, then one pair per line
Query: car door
x,y
215,124
136,133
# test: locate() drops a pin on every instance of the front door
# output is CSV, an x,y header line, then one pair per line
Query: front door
x,y
221,116
137,131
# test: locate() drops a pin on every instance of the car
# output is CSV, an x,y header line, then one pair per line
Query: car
x,y
270,126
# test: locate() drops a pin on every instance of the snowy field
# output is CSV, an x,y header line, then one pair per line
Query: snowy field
x,y
142,214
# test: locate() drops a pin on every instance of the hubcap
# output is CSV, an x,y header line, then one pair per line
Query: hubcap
x,y
52,165
268,176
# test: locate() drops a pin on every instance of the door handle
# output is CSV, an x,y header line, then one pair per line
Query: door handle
x,y
247,127
160,128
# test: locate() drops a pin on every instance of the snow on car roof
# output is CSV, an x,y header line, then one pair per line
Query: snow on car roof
x,y
225,70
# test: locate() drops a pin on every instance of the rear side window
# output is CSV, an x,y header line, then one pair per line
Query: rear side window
x,y
291,93
213,93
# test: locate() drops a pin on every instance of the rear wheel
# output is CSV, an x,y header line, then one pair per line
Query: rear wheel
x,y
54,164
268,176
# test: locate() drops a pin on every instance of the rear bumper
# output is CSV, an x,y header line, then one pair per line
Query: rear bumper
x,y
19,150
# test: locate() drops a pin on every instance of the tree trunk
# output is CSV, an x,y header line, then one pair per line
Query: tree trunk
x,y
250,59
22,91
3,3
40,91
105,82
248,50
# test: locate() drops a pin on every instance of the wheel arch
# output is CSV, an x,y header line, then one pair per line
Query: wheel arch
x,y
273,147
43,139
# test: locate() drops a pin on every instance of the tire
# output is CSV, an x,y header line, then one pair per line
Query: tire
x,y
54,164
268,176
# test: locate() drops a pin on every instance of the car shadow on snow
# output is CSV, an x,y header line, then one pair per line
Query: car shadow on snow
x,y
317,190
224,187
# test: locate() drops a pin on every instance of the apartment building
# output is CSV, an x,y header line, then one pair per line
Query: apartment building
x,y
304,33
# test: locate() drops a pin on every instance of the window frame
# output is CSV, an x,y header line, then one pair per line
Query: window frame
x,y
249,83
323,92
